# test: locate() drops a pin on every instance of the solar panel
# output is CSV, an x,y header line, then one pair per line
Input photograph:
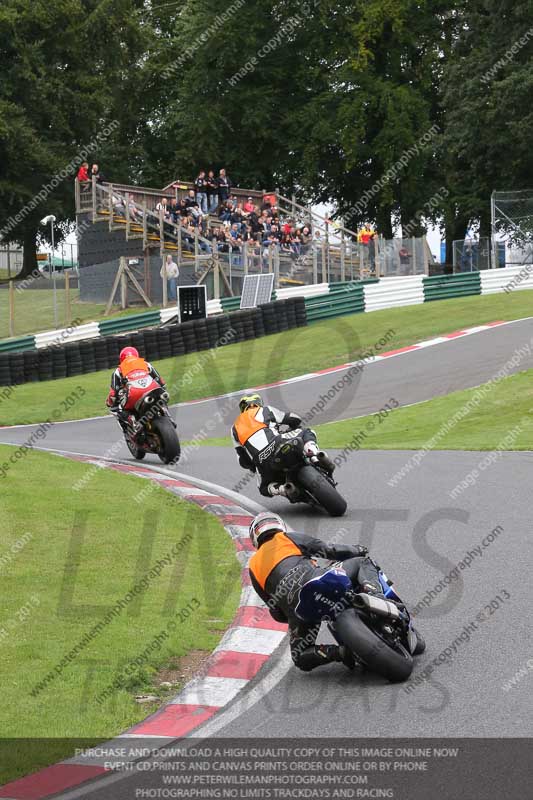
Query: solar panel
x,y
257,289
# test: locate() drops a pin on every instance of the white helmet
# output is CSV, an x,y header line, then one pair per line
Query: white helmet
x,y
264,523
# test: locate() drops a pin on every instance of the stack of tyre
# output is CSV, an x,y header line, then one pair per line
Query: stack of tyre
x,y
5,371
93,355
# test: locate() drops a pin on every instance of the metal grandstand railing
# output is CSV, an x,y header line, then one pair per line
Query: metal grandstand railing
x,y
329,253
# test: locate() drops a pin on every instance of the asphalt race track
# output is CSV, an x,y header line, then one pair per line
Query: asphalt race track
x,y
417,532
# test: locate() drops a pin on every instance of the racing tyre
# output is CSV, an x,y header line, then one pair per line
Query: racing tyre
x,y
321,491
136,452
378,656
170,444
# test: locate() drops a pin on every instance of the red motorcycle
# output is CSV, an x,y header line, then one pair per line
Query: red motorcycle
x,y
145,419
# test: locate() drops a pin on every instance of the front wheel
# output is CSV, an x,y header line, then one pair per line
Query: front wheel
x,y
321,491
393,664
136,452
170,449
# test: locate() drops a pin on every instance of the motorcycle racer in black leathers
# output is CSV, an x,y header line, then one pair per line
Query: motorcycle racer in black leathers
x,y
283,563
256,436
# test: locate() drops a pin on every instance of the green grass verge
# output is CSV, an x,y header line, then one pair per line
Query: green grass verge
x,y
283,355
502,419
34,311
82,552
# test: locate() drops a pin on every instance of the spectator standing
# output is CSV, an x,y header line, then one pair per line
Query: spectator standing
x,y
175,211
212,192
305,236
83,177
200,185
224,186
95,173
404,256
170,272
253,219
364,237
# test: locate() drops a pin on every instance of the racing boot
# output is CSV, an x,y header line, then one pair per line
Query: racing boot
x,y
311,449
317,456
317,656
347,657
287,490
420,643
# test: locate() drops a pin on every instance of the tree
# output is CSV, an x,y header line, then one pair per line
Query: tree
x,y
378,101
323,99
488,85
61,64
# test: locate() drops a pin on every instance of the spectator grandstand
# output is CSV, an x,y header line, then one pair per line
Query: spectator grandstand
x,y
242,230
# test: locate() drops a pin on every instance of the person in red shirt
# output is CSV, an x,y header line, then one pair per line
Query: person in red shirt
x,y
83,177
83,173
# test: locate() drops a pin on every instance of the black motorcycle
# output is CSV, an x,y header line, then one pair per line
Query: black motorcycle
x,y
378,631
312,480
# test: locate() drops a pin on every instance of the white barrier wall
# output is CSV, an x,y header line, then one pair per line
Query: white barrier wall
x,y
73,334
393,292
303,291
509,279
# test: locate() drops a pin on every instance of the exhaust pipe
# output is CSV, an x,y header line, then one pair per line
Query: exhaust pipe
x,y
376,605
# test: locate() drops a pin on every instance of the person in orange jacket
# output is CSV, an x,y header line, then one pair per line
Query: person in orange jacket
x,y
256,434
129,362
283,562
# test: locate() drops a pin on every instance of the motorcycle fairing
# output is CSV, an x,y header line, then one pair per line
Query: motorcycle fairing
x,y
320,596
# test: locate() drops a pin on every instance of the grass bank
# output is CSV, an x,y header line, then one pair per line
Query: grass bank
x,y
489,417
67,558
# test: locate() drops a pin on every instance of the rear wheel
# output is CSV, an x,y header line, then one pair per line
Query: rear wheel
x,y
393,664
321,491
170,449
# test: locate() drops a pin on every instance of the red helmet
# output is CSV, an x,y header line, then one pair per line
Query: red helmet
x,y
128,352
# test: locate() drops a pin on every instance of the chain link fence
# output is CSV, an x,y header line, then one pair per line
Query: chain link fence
x,y
471,255
512,227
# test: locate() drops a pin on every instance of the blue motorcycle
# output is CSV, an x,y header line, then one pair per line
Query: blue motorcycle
x,y
378,631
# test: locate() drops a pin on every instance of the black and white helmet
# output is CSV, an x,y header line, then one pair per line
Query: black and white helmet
x,y
264,523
